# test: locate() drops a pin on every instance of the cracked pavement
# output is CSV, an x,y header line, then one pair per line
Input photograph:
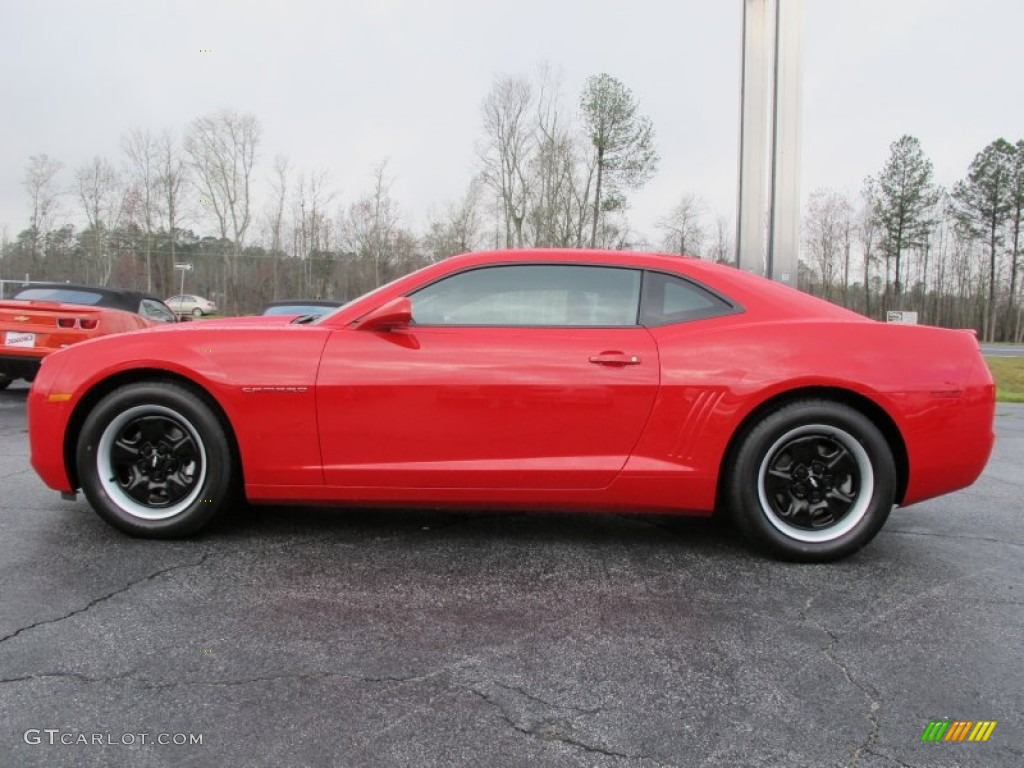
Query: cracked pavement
x,y
303,637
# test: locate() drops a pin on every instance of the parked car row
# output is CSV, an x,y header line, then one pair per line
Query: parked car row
x,y
187,304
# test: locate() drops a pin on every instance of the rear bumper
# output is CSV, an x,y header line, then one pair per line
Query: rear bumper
x,y
24,366
949,439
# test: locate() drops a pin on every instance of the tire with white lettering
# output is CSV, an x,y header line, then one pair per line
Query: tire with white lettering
x,y
154,460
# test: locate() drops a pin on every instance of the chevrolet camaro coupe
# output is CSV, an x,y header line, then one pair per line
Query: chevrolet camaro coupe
x,y
531,380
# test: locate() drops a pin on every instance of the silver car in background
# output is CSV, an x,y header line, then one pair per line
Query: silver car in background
x,y
190,304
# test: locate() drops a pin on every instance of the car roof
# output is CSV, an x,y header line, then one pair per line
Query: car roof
x,y
111,298
758,295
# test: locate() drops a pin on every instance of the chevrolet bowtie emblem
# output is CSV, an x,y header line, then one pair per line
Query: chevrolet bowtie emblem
x,y
21,318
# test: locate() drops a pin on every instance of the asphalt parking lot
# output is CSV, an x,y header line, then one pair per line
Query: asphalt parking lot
x,y
350,638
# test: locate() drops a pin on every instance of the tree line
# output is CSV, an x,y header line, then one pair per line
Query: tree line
x,y
906,243
547,174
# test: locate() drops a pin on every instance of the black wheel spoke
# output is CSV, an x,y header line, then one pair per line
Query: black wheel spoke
x,y
835,493
812,481
841,455
134,482
155,460
180,482
183,447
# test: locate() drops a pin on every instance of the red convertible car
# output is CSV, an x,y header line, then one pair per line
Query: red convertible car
x,y
43,317
542,379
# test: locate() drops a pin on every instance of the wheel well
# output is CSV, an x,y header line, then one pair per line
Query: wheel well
x,y
858,402
154,375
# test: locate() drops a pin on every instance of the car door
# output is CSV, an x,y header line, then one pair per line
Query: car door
x,y
510,376
156,312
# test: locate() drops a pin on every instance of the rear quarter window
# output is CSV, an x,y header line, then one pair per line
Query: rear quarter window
x,y
669,299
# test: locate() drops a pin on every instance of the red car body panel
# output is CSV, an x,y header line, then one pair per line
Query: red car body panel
x,y
521,417
552,419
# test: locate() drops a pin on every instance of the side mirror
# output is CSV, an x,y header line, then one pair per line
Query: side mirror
x,y
396,313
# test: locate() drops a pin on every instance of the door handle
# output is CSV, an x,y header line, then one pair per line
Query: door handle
x,y
615,359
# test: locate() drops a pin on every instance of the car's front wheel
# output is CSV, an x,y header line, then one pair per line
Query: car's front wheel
x,y
813,481
154,460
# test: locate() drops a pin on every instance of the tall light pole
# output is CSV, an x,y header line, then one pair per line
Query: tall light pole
x,y
768,218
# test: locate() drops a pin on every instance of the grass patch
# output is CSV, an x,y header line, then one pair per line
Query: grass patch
x,y
1009,375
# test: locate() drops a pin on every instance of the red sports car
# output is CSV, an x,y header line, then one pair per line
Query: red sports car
x,y
43,317
542,379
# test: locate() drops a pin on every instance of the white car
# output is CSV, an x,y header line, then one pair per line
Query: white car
x,y
189,304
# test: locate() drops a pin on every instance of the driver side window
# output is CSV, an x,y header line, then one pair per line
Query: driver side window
x,y
545,295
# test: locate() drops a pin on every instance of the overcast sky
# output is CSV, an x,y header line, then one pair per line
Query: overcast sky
x,y
342,84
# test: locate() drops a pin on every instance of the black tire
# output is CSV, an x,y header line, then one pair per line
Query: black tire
x,y
197,312
154,460
813,481
5,381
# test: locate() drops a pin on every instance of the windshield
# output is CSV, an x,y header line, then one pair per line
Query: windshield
x,y
299,309
359,298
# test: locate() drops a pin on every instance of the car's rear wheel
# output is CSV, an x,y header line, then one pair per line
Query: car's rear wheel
x,y
154,460
197,312
813,481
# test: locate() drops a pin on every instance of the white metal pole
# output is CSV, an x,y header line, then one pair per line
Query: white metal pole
x,y
754,91
784,220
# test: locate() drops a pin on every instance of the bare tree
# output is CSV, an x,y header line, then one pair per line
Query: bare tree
x,y
561,177
867,237
142,151
221,149
171,177
623,142
103,198
312,228
505,154
683,226
371,229
275,215
274,218
458,228
827,236
41,184
721,248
